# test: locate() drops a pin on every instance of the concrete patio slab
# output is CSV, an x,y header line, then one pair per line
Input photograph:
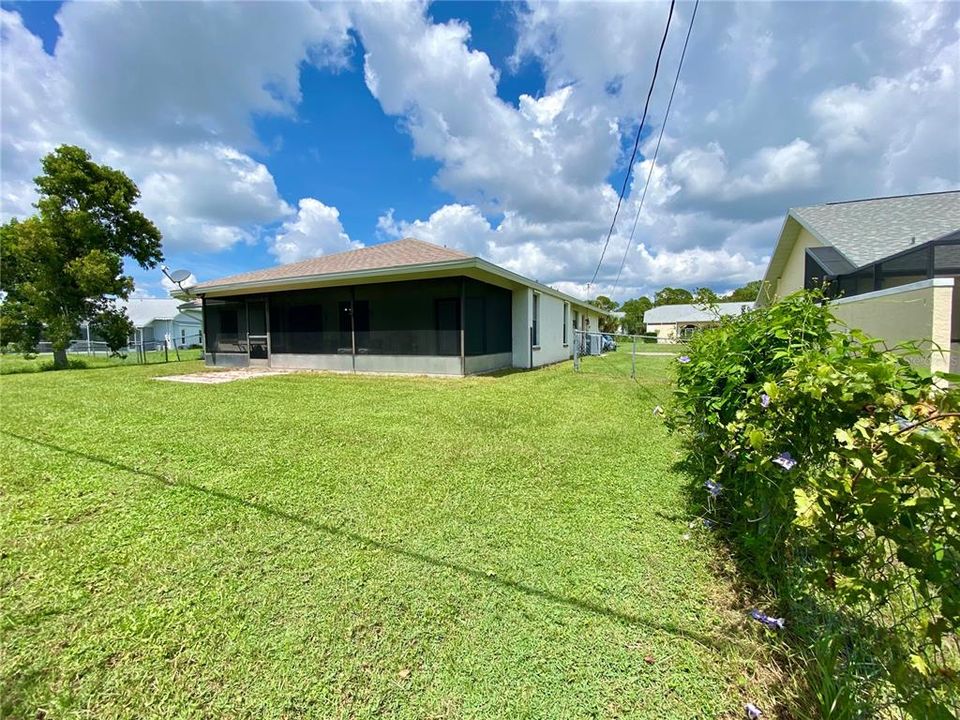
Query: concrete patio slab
x,y
217,377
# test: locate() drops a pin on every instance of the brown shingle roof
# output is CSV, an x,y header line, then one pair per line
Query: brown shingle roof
x,y
392,254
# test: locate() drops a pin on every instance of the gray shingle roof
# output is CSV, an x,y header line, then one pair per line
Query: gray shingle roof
x,y
693,313
868,230
399,253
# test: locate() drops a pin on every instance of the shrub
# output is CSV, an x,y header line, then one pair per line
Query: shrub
x,y
835,473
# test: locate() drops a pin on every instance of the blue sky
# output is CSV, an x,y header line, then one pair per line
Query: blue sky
x,y
265,133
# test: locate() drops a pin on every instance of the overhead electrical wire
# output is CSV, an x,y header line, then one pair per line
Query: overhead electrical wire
x,y
656,151
636,143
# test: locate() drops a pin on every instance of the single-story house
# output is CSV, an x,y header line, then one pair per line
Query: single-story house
x,y
891,266
159,321
676,322
401,307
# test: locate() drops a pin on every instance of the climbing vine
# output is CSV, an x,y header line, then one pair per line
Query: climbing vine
x,y
832,467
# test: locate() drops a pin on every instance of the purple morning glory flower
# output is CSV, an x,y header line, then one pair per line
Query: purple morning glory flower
x,y
764,400
683,359
902,422
753,712
713,488
708,523
767,621
785,460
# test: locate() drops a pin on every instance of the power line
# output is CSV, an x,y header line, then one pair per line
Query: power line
x,y
636,143
656,152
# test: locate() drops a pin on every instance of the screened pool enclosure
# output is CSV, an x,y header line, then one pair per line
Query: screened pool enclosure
x,y
451,324
825,267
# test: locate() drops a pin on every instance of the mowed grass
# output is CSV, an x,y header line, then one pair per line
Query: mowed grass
x,y
323,546
11,363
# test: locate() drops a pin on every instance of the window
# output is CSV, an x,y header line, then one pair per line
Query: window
x,y
183,337
566,317
536,320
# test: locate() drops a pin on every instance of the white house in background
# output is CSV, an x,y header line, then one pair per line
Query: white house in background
x,y
891,264
673,322
402,307
165,320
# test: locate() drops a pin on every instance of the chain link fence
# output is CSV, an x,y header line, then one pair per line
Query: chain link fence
x,y
138,350
619,345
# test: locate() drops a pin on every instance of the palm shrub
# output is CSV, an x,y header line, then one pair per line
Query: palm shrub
x,y
833,470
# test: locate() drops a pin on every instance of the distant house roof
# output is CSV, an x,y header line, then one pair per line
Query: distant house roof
x,y
407,255
143,311
693,313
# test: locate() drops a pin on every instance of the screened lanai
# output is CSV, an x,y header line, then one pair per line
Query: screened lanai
x,y
449,318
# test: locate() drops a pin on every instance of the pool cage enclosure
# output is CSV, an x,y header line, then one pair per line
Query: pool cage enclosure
x,y
826,267
440,317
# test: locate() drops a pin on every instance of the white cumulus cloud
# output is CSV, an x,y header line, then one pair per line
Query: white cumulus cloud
x,y
315,231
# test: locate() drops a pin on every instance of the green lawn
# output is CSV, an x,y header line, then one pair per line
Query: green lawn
x,y
12,363
350,546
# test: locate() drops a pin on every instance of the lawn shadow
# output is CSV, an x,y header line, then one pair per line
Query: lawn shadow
x,y
32,370
713,643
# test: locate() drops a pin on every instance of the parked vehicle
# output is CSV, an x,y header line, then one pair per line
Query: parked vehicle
x,y
607,343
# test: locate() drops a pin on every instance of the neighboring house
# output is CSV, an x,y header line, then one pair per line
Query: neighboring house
x,y
672,322
159,321
404,306
891,264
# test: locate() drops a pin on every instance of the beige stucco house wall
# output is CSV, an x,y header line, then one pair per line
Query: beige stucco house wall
x,y
670,332
921,311
665,332
791,279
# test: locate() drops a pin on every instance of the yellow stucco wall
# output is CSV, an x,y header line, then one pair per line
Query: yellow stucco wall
x,y
664,331
921,314
791,279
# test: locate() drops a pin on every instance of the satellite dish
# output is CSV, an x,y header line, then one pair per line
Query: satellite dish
x,y
178,276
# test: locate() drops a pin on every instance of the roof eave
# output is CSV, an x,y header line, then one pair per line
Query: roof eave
x,y
392,271
282,283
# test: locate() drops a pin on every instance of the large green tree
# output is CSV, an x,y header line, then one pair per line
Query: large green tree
x,y
607,323
747,293
64,264
633,314
705,296
672,296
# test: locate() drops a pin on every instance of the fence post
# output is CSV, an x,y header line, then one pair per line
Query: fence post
x,y
576,350
633,359
166,350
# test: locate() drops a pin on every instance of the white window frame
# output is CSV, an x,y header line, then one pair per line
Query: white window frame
x,y
536,320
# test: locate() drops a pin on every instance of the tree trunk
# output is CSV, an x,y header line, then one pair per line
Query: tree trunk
x,y
60,359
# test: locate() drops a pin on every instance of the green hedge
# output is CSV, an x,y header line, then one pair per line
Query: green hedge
x,y
832,467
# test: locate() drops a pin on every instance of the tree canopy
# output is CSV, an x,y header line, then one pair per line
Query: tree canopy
x,y
635,308
747,293
705,296
633,314
672,296
64,264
